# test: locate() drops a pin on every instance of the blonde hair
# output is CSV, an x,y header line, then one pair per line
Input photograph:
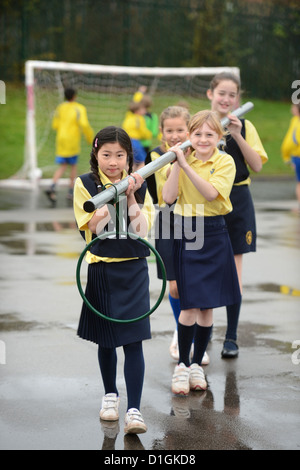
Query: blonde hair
x,y
210,118
173,112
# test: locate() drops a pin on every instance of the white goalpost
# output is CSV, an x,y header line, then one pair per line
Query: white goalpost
x,y
106,91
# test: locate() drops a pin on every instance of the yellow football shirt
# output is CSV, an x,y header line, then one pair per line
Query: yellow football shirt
x,y
69,121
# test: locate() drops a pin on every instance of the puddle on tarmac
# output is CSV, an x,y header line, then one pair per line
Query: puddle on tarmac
x,y
27,238
13,228
11,322
276,288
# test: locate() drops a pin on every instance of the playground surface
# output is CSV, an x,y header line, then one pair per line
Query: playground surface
x,y
50,386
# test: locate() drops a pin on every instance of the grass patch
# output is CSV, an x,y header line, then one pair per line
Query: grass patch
x,y
269,117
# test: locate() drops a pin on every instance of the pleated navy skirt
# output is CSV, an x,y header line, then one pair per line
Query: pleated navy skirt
x,y
118,290
164,239
241,222
206,277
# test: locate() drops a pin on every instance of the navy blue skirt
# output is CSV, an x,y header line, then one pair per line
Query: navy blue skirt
x,y
118,290
241,221
206,276
164,239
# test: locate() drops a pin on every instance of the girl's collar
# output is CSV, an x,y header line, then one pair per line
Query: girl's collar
x,y
193,158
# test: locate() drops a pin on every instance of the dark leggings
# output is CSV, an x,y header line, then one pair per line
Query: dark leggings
x,y
134,369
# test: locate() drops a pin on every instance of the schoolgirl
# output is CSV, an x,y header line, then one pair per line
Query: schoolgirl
x,y
174,128
136,127
290,147
112,263
245,147
205,273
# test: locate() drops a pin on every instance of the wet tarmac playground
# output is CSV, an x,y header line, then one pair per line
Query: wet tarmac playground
x,y
50,387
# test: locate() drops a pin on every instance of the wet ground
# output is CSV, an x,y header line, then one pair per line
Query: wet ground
x,y
50,387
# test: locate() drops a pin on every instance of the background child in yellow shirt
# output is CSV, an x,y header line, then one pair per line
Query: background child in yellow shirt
x,y
70,121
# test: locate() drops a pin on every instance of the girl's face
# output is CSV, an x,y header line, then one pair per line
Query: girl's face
x,y
174,130
204,140
112,160
224,97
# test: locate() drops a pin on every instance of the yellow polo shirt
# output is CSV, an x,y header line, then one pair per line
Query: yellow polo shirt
x,y
220,171
82,217
290,146
135,126
253,139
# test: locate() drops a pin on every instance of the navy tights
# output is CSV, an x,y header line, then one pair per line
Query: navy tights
x,y
134,369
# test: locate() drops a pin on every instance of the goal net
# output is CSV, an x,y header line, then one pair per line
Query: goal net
x,y
106,92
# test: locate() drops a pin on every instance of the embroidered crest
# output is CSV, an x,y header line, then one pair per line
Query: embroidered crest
x,y
249,237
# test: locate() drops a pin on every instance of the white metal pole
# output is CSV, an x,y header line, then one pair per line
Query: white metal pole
x,y
30,124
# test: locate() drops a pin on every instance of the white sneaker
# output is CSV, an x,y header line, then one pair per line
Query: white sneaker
x,y
205,359
174,350
174,346
197,378
180,380
134,423
110,407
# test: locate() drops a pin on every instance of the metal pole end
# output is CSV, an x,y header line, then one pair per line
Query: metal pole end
x,y
89,206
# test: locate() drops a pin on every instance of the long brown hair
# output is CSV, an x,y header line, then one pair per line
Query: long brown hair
x,y
219,77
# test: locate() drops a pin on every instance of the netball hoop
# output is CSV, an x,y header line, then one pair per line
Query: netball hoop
x,y
158,257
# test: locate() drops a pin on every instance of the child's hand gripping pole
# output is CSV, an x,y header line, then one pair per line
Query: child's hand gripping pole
x,y
110,193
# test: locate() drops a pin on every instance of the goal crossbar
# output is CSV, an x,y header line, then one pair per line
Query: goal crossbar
x,y
119,69
33,67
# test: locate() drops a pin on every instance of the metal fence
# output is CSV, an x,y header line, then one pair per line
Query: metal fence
x,y
261,38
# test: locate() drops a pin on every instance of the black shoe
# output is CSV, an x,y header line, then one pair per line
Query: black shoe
x,y
51,196
227,351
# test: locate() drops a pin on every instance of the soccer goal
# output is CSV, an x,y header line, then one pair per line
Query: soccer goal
x,y
106,91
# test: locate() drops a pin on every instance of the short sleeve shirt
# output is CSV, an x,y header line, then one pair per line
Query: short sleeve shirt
x,y
219,170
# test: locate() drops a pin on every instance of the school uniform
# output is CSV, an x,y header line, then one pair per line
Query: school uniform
x,y
164,222
290,148
241,221
118,281
135,126
204,265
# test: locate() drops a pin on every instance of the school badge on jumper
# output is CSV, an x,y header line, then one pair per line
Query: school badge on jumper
x,y
249,237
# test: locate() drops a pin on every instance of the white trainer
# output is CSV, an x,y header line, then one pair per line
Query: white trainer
x,y
197,378
180,380
134,423
110,407
174,346
205,359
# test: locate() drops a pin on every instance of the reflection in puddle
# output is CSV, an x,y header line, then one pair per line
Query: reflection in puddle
x,y
194,419
33,238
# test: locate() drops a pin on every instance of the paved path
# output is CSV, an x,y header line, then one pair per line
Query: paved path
x,y
50,387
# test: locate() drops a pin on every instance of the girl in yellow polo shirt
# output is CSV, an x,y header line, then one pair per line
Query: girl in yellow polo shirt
x,y
204,263
174,128
118,281
290,147
244,145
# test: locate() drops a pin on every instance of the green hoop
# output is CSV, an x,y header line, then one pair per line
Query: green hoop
x,y
160,261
